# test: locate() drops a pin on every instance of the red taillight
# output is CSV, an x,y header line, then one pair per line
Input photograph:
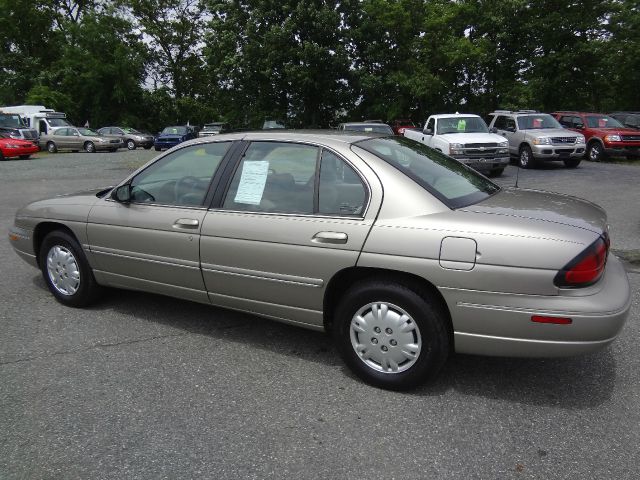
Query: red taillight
x,y
586,268
554,320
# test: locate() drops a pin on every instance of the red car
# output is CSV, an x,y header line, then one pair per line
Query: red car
x,y
13,147
605,136
401,124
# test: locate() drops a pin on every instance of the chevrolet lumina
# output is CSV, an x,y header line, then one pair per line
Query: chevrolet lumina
x,y
403,254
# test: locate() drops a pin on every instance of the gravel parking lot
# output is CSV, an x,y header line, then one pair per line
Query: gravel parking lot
x,y
142,386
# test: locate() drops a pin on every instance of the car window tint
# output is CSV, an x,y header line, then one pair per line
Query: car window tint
x,y
274,177
500,122
445,178
340,191
180,178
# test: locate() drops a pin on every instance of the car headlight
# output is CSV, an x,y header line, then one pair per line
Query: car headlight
x,y
542,141
503,144
612,138
455,148
580,139
12,145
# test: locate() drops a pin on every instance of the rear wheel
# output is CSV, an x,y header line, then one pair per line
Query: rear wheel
x,y
526,160
572,162
131,145
66,271
89,147
51,147
390,335
148,147
158,149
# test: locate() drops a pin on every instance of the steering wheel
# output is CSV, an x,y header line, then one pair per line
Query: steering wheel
x,y
185,185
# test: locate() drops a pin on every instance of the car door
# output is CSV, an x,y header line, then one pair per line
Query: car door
x,y
152,242
292,215
506,126
73,139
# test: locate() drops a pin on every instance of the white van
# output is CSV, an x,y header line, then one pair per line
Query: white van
x,y
38,117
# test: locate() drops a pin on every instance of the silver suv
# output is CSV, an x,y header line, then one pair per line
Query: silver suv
x,y
537,137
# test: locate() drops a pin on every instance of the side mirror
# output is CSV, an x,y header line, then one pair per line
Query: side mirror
x,y
510,129
428,131
493,130
122,194
579,126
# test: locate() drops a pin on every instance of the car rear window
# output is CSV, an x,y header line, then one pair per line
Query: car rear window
x,y
453,183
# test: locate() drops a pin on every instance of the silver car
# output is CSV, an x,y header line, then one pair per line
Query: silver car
x,y
130,137
76,139
403,254
535,138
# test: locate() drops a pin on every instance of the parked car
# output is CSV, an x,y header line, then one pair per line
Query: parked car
x,y
536,137
605,135
403,253
76,139
214,128
273,125
466,138
628,119
14,147
401,124
130,137
372,127
13,126
172,136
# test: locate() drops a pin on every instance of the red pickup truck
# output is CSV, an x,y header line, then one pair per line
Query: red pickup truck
x,y
605,136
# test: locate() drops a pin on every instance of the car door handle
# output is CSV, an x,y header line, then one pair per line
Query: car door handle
x,y
330,237
186,223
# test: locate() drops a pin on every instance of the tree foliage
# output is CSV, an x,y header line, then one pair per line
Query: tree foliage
x,y
152,62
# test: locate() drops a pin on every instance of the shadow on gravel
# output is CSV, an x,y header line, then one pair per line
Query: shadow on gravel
x,y
574,382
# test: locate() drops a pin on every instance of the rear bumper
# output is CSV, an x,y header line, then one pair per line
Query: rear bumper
x,y
488,323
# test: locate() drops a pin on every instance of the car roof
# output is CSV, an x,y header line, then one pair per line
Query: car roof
x,y
453,115
344,137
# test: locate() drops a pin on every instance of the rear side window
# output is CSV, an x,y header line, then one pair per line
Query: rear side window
x,y
451,182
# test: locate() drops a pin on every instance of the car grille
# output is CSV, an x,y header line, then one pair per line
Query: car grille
x,y
630,138
479,145
480,150
563,139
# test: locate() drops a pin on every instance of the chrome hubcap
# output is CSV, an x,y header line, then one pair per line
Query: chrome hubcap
x,y
63,270
595,153
385,337
524,158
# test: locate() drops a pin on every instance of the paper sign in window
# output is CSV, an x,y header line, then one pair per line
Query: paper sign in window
x,y
252,182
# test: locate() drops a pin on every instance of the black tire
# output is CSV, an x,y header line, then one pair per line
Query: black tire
x,y
25,157
572,162
496,172
51,147
422,308
89,147
157,149
1,156
525,159
148,147
131,145
85,290
595,152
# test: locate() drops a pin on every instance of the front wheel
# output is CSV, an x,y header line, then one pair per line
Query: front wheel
x,y
157,149
572,162
89,147
25,157
595,152
391,336
147,147
66,271
526,159
131,145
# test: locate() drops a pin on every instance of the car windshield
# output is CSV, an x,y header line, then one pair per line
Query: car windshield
x,y
371,127
130,130
450,181
461,125
212,128
58,122
602,121
537,121
88,132
175,130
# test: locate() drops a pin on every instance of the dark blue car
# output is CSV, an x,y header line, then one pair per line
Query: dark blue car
x,y
172,136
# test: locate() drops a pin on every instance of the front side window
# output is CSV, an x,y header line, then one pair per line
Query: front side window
x,y
430,124
445,178
181,178
274,177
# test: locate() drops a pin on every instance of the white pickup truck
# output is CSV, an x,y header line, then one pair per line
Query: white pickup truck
x,y
466,138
